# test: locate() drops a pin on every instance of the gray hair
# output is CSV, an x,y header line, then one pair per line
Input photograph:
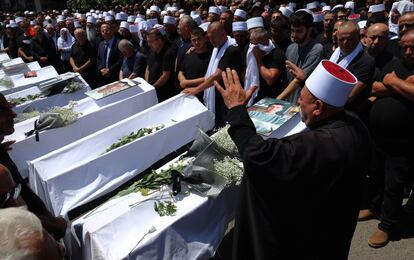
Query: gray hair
x,y
18,229
80,30
186,19
258,33
125,44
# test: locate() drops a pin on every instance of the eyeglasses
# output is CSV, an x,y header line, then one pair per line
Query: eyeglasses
x,y
14,193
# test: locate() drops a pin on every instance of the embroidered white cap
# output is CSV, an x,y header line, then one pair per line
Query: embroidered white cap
x,y
254,23
131,18
160,28
124,25
331,83
138,20
350,5
376,8
155,8
286,11
152,22
19,19
312,5
169,20
362,24
197,19
91,20
240,13
326,8
214,10
204,26
239,26
109,18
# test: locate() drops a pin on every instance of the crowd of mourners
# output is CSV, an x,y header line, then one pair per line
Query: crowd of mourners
x,y
184,46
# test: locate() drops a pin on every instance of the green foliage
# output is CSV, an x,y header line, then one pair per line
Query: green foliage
x,y
166,208
21,100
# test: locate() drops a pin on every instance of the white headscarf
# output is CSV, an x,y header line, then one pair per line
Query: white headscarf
x,y
65,45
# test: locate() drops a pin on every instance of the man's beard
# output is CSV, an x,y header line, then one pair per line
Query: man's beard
x,y
91,34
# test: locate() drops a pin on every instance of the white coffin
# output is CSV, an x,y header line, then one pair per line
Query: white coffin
x,y
95,116
80,172
194,232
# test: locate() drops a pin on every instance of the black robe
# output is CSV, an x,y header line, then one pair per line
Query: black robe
x,y
300,194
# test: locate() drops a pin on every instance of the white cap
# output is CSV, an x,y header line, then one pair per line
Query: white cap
x,y
139,19
326,8
376,8
312,5
193,13
19,19
125,25
77,24
362,24
204,26
26,12
403,7
197,19
48,17
354,18
350,5
111,12
152,22
133,28
318,17
169,20
121,17
33,22
61,17
214,10
144,26
45,23
292,5
240,13
131,18
155,8
160,28
91,20
181,15
239,26
286,11
305,10
254,23
331,83
109,18
105,14
222,8
337,6
11,25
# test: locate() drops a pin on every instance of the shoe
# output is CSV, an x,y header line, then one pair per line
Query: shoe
x,y
379,239
366,214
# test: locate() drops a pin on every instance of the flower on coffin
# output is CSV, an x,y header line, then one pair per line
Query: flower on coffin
x,y
134,135
152,229
21,100
223,139
68,115
229,168
167,208
73,86
26,115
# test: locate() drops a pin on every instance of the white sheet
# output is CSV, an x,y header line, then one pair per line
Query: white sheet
x,y
80,172
94,117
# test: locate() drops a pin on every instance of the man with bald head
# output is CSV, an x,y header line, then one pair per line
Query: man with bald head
x,y
350,55
405,22
226,54
376,40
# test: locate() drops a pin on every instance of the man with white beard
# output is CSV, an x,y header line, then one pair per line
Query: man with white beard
x,y
91,31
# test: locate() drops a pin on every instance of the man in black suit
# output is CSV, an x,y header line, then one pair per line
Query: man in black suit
x,y
109,57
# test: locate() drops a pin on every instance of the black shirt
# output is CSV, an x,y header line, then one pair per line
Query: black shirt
x,y
380,61
195,66
276,60
24,41
82,53
134,64
13,48
392,117
157,63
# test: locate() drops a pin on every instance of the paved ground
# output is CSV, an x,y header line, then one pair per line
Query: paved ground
x,y
403,249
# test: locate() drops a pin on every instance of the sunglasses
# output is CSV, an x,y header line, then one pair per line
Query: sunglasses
x,y
14,193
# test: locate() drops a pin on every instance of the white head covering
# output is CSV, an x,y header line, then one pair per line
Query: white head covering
x,y
19,19
222,8
326,8
121,17
337,6
109,18
124,25
204,26
133,28
292,5
239,26
214,10
254,22
111,12
402,7
139,19
77,24
240,13
350,5
286,11
160,28
91,19
169,20
197,19
376,8
152,22
131,18
155,8
312,5
163,13
362,24
331,83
